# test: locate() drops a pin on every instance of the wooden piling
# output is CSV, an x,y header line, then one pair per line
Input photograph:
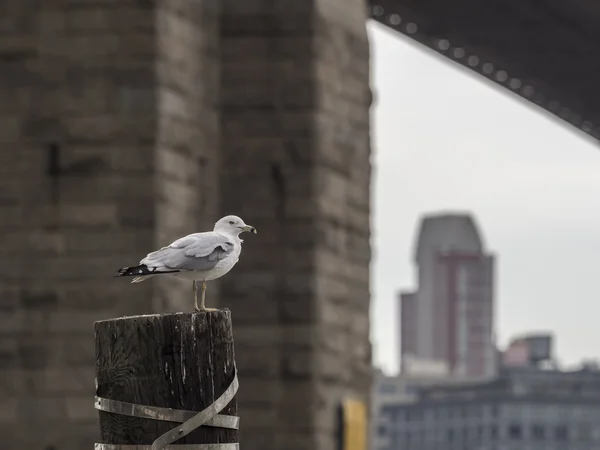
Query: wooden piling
x,y
180,361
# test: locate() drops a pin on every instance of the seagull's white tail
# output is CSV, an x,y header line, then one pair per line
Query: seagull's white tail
x,y
142,278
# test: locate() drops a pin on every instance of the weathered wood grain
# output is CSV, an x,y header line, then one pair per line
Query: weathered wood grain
x,y
180,361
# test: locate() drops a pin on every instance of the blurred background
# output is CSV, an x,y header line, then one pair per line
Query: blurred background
x,y
437,158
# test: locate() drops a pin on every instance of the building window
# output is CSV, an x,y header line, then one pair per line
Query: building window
x,y
388,410
465,412
417,414
561,433
584,431
515,431
412,390
494,432
386,388
494,410
538,432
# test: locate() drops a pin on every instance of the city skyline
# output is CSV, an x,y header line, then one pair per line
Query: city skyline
x,y
531,181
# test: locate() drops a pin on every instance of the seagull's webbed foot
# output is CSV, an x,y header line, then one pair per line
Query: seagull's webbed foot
x,y
202,307
206,309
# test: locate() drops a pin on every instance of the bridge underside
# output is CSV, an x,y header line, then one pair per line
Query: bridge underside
x,y
546,51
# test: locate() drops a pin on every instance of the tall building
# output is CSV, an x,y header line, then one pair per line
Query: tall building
x,y
450,317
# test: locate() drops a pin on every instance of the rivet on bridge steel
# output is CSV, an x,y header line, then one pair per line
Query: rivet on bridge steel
x,y
473,61
515,83
502,76
412,28
378,11
443,44
459,53
394,19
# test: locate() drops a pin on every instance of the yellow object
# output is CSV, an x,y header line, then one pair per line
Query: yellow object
x,y
354,422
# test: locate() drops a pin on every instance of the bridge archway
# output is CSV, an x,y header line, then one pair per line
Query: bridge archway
x,y
474,34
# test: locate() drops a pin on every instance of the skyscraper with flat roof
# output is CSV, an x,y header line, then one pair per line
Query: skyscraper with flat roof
x,y
450,316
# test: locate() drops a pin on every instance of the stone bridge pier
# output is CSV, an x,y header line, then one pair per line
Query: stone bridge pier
x,y
125,124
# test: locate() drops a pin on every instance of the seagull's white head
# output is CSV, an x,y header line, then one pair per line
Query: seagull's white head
x,y
233,225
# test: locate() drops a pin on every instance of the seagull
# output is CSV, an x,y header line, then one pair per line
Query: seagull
x,y
198,257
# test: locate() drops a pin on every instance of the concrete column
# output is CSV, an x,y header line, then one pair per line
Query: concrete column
x,y
107,128
187,137
295,153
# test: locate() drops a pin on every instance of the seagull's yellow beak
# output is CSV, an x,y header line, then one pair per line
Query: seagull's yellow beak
x,y
250,229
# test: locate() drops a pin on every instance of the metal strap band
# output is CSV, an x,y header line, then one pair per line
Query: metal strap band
x,y
169,447
209,414
164,414
199,419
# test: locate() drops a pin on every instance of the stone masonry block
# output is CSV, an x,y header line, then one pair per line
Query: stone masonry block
x,y
35,354
10,129
132,213
45,298
63,321
258,438
262,7
52,21
9,353
72,267
40,409
21,159
10,217
89,295
298,365
14,322
89,19
176,165
256,361
10,297
295,439
12,382
175,133
80,409
8,410
179,194
297,24
107,241
65,380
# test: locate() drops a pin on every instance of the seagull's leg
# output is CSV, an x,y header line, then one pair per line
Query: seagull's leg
x,y
202,302
195,289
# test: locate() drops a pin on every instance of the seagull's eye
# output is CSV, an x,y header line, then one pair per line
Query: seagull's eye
x,y
231,222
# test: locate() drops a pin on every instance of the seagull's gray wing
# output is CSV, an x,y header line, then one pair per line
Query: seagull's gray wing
x,y
197,252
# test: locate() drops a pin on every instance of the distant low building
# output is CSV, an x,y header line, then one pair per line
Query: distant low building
x,y
529,350
404,389
524,408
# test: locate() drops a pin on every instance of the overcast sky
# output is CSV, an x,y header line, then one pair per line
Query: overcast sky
x,y
444,139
